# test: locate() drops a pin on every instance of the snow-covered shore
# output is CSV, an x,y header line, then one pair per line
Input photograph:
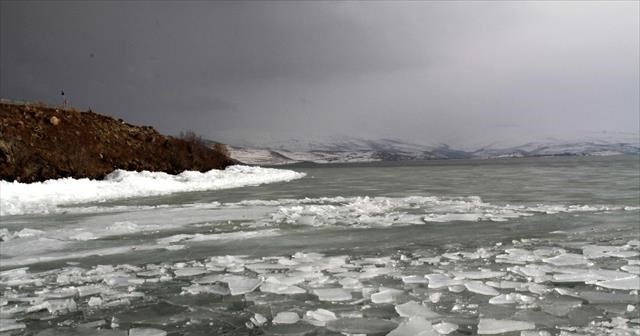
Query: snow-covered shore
x,y
42,197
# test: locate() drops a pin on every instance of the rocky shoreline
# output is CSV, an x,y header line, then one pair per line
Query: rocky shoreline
x,y
39,142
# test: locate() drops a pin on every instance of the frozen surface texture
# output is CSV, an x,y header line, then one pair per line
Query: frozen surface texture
x,y
20,198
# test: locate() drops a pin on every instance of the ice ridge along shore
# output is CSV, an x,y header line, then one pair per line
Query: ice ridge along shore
x,y
43,197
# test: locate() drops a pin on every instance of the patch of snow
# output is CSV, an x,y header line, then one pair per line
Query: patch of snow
x,y
43,197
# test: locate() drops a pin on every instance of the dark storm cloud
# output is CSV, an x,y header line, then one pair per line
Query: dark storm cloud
x,y
426,71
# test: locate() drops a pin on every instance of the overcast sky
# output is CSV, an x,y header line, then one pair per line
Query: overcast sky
x,y
242,72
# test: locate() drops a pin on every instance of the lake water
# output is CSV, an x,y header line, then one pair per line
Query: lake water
x,y
538,246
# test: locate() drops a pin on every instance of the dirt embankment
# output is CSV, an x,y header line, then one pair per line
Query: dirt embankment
x,y
39,143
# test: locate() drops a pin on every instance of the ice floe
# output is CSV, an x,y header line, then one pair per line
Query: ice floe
x,y
286,318
397,293
413,308
489,326
414,326
319,317
361,325
332,294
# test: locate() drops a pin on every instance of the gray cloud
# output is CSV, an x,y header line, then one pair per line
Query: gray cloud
x,y
245,71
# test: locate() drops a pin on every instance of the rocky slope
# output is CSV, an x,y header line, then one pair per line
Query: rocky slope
x,y
39,143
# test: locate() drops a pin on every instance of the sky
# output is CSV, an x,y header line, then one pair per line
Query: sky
x,y
253,72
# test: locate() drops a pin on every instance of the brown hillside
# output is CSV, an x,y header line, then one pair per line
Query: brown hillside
x,y
39,143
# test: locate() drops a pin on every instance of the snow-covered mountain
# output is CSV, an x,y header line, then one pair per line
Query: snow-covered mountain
x,y
345,149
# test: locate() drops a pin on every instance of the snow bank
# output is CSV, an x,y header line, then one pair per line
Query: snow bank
x,y
42,197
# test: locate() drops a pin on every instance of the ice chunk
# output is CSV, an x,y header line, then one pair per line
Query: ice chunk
x,y
350,283
634,269
386,295
445,328
630,283
456,288
502,299
319,317
258,320
239,285
10,324
267,267
361,325
507,284
94,301
535,333
480,288
286,318
92,324
276,288
414,326
414,279
566,259
435,297
478,275
290,278
213,289
55,306
517,256
413,308
581,275
146,332
560,306
489,326
440,280
189,271
332,294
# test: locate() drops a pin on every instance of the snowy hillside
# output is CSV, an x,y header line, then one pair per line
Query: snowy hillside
x,y
339,150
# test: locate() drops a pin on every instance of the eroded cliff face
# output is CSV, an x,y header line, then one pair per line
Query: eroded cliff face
x,y
39,143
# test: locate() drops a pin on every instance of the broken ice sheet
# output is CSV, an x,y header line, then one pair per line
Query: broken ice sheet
x,y
480,288
146,332
629,283
361,325
414,326
239,285
332,294
567,259
413,308
489,326
319,317
386,295
286,318
10,324
277,288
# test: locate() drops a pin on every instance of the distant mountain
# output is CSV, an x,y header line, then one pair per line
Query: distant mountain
x,y
365,150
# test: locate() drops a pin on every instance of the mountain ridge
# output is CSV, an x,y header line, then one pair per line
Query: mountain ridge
x,y
367,150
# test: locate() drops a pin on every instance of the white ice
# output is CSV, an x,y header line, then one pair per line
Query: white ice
x,y
319,317
43,197
332,294
480,288
629,283
489,326
413,308
146,332
414,326
286,318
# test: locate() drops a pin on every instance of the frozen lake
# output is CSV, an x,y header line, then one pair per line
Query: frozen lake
x,y
537,246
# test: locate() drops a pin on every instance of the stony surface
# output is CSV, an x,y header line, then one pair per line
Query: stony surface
x,y
39,143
